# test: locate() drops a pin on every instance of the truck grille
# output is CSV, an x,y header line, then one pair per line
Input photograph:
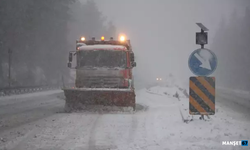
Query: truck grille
x,y
100,82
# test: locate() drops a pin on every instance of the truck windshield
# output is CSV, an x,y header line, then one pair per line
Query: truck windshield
x,y
102,58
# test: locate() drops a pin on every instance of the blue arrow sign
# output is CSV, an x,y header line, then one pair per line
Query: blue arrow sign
x,y
202,62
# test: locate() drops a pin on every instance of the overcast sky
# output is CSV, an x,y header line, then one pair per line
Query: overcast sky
x,y
163,31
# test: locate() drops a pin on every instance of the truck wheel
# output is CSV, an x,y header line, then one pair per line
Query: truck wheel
x,y
67,108
134,108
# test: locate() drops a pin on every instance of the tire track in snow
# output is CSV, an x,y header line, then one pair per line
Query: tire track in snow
x,y
75,138
28,116
133,129
151,128
58,134
144,128
154,119
144,135
46,136
92,135
11,145
139,132
28,106
112,131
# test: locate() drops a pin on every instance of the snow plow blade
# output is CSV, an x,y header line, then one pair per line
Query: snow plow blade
x,y
80,99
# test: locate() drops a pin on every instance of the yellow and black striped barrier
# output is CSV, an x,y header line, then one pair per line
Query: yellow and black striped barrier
x,y
202,96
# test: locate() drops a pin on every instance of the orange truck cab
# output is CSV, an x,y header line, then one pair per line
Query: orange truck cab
x,y
103,69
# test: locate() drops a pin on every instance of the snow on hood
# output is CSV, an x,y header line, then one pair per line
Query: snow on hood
x,y
102,68
108,47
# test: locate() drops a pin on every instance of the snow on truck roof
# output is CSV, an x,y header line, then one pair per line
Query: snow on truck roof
x,y
102,47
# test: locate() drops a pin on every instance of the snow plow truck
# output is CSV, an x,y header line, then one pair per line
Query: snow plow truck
x,y
103,74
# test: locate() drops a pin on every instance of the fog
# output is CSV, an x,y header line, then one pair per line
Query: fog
x,y
163,32
39,88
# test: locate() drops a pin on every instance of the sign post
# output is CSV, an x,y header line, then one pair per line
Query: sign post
x,y
10,52
202,62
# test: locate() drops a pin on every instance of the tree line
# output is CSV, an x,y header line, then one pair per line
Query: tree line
x,y
232,46
40,33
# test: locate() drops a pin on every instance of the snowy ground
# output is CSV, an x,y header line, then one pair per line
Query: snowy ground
x,y
236,96
38,123
235,91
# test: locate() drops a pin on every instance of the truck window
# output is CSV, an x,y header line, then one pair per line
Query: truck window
x,y
102,58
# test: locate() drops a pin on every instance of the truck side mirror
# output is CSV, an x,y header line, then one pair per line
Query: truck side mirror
x,y
70,57
133,64
132,57
69,64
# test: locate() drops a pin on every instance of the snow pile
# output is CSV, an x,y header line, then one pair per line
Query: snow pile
x,y
169,91
172,81
170,87
197,134
235,91
167,125
238,97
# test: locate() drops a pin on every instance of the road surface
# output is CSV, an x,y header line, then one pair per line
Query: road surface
x,y
37,122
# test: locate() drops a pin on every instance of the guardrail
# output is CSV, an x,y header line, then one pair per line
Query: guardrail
x,y
31,89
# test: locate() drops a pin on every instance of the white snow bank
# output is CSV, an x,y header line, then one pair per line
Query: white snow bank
x,y
169,86
239,96
198,134
236,96
235,91
169,91
172,81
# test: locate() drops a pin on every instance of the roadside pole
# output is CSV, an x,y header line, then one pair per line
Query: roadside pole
x,y
63,82
202,62
9,52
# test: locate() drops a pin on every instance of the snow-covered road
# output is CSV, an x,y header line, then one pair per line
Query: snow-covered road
x,y
37,122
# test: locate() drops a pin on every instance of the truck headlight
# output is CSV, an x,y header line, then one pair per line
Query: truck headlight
x,y
82,38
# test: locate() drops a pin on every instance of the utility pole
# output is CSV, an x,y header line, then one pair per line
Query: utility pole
x,y
63,82
10,52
